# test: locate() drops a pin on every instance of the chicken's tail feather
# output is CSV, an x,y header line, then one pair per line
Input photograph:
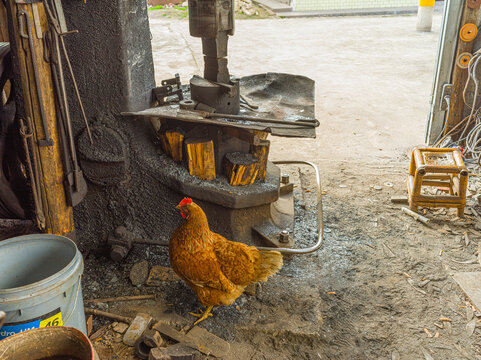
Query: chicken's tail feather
x,y
271,262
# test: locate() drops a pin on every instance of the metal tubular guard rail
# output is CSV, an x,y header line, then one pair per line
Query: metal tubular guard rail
x,y
320,224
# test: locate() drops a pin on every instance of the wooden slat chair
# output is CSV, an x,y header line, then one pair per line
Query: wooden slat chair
x,y
440,168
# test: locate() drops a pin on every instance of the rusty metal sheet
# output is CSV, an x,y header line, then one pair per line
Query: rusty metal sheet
x,y
278,96
282,96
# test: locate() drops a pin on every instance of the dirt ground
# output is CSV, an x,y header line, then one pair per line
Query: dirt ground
x,y
382,281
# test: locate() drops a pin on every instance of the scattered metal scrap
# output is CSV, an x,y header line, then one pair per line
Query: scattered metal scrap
x,y
170,89
154,340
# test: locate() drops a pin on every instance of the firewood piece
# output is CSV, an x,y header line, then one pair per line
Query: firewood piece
x,y
201,159
243,135
172,143
262,134
164,144
261,152
241,169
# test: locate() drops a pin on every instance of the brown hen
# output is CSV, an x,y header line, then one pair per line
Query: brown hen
x,y
218,270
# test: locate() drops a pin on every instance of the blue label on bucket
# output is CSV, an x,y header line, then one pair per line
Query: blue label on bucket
x,y
53,318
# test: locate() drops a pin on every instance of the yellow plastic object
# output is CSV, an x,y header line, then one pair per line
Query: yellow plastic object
x,y
426,3
468,32
463,60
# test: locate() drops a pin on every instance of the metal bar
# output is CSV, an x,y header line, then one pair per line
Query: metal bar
x,y
320,223
60,16
108,315
75,86
37,201
301,122
36,21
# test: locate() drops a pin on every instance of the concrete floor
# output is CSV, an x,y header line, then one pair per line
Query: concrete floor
x,y
373,76
351,299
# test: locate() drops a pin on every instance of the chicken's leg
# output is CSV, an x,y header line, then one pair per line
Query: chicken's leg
x,y
203,316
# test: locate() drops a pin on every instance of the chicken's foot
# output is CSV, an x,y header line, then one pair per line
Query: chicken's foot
x,y
198,315
204,315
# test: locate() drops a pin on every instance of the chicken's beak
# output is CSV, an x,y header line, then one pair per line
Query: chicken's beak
x,y
177,207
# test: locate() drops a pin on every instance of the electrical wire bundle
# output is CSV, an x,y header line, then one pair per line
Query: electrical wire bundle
x,y
469,129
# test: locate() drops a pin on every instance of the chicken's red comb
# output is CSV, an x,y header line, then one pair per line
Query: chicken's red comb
x,y
185,202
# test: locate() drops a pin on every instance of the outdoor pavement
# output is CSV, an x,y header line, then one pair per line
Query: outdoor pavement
x,y
373,77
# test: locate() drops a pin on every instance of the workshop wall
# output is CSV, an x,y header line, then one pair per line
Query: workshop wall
x,y
112,59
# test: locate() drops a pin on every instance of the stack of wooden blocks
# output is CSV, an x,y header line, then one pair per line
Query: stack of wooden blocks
x,y
199,154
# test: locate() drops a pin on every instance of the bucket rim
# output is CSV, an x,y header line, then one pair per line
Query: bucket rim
x,y
61,329
38,288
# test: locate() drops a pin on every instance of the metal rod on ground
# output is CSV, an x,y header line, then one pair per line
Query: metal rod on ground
x,y
304,122
122,298
151,242
415,215
320,222
108,315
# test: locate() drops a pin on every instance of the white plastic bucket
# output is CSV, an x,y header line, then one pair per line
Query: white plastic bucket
x,y
40,283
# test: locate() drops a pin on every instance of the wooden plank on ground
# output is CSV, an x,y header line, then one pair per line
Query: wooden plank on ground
x,y
470,283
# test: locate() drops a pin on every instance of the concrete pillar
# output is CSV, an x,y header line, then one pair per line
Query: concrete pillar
x,y
112,61
425,15
111,55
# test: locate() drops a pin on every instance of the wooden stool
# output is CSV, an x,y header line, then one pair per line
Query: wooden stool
x,y
437,167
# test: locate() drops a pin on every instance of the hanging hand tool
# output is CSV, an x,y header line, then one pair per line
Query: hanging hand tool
x,y
46,161
75,184
25,21
60,27
33,173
